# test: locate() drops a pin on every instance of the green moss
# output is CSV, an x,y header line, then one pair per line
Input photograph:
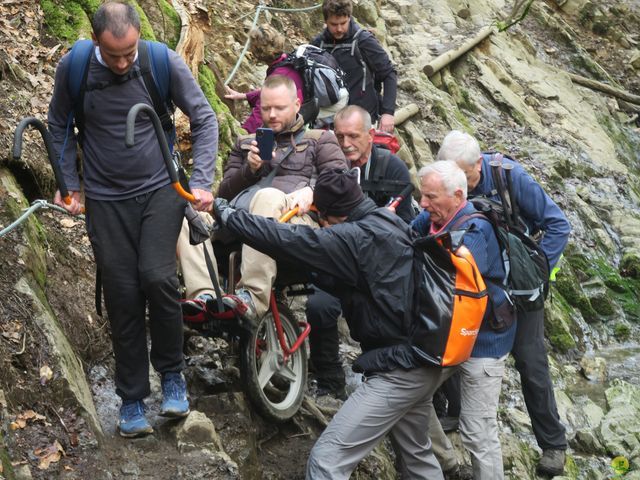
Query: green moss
x,y
621,331
227,125
569,288
34,255
5,461
67,19
602,305
558,324
146,30
623,290
70,19
571,470
630,265
172,23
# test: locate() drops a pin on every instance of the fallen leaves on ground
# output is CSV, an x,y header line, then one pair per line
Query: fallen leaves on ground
x,y
48,455
46,374
28,416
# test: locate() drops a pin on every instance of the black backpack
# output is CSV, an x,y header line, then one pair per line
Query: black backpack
x,y
375,185
526,265
322,78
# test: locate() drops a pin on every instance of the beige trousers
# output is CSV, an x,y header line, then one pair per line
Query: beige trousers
x,y
258,270
191,262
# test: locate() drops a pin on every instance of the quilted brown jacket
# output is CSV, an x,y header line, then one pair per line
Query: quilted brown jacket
x,y
317,150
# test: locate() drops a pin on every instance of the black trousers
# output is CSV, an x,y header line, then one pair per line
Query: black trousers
x,y
530,354
134,243
322,313
446,400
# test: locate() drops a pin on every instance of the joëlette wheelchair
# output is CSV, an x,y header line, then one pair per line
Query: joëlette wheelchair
x,y
273,354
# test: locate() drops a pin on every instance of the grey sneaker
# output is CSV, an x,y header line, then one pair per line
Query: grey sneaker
x,y
242,304
551,463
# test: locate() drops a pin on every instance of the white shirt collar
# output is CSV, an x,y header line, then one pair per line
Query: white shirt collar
x,y
99,57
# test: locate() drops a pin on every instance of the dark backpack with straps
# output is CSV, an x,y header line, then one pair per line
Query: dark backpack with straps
x,y
525,264
321,76
352,47
376,186
153,58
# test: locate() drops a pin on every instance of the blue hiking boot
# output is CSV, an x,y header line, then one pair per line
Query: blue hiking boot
x,y
174,396
132,422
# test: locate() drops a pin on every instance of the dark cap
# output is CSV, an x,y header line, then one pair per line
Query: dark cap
x,y
337,192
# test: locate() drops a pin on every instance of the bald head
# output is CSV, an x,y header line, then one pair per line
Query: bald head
x,y
116,18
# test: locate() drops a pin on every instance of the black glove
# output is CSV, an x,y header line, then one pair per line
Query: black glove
x,y
222,210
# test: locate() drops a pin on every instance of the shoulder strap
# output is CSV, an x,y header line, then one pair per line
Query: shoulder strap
x,y
382,157
313,133
154,65
465,218
81,54
266,181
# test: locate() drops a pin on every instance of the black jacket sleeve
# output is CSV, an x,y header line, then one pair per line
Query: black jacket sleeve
x,y
383,69
324,250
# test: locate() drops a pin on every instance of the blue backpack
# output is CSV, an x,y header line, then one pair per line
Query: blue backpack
x,y
153,59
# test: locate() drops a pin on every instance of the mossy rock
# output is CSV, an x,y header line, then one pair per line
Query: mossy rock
x,y
228,126
69,19
559,325
164,20
567,285
622,332
32,251
630,265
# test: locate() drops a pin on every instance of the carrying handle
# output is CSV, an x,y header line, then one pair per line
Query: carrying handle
x,y
51,154
291,213
129,141
397,200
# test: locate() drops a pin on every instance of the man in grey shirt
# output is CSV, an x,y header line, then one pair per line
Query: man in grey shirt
x,y
133,214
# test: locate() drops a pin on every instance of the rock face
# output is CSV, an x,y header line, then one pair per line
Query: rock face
x,y
513,91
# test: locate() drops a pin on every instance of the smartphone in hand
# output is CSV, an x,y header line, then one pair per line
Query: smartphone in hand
x,y
265,139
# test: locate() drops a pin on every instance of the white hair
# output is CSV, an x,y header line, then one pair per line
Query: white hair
x,y
460,147
451,175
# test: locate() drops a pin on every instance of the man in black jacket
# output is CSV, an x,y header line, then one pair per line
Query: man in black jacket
x,y
367,66
383,176
365,258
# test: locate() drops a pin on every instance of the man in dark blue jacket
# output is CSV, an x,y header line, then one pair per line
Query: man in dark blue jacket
x,y
542,216
365,257
443,188
367,66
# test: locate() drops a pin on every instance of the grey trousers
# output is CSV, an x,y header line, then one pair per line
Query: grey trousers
x,y
442,447
480,382
395,402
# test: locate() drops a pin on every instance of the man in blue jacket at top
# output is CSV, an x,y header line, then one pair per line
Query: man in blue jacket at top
x,y
541,215
443,188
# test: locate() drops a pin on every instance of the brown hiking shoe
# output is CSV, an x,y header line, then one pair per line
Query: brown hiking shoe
x,y
551,463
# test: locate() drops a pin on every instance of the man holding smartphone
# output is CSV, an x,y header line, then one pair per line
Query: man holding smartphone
x,y
286,174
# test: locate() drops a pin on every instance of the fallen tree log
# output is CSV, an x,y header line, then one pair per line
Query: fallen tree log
x,y
446,58
405,113
604,88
